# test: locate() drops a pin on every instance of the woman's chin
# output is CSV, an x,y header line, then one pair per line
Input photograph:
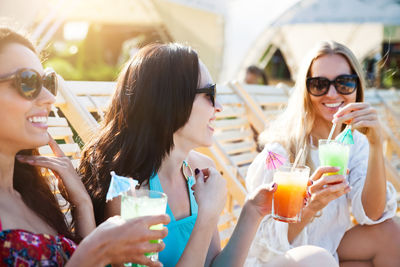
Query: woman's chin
x,y
208,143
39,141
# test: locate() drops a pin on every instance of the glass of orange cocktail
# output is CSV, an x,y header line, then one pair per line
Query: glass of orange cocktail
x,y
288,200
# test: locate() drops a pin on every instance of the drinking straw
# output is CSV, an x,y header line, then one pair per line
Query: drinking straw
x,y
331,133
298,157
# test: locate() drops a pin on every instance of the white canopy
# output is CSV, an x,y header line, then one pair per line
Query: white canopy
x,y
231,34
360,24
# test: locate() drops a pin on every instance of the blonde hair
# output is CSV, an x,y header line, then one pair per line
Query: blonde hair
x,y
292,129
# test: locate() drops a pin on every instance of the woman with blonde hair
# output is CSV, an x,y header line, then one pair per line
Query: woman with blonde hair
x,y
330,89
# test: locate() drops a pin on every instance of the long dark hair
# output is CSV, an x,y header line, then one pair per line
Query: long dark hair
x,y
29,180
153,99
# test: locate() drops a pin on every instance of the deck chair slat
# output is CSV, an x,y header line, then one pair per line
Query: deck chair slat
x,y
243,170
244,158
60,100
68,149
231,111
224,218
240,147
101,102
91,88
230,136
231,123
267,100
228,99
264,90
60,132
57,121
223,89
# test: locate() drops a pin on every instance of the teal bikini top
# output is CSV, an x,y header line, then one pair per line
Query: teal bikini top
x,y
178,231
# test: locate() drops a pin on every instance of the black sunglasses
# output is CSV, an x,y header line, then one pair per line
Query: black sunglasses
x,y
344,84
210,91
29,82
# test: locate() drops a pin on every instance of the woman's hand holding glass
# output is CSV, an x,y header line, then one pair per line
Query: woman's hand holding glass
x,y
362,117
325,188
118,241
261,199
210,192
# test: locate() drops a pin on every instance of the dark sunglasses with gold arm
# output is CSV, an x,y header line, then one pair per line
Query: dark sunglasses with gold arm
x,y
29,82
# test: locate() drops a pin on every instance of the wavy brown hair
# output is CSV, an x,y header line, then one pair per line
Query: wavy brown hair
x,y
29,180
153,99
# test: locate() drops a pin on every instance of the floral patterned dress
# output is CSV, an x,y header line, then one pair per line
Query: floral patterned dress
x,y
23,248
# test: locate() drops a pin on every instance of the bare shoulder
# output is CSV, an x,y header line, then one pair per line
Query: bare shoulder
x,y
199,160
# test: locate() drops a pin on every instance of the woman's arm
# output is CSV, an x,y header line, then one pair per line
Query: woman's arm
x,y
211,198
256,207
374,192
364,118
214,249
120,241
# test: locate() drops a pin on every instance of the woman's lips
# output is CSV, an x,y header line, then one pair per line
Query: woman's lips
x,y
39,121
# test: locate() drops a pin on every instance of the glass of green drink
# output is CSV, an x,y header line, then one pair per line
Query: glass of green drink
x,y
335,154
143,202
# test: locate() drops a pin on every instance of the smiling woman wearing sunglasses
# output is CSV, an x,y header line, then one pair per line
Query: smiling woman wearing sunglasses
x,y
33,229
163,107
330,88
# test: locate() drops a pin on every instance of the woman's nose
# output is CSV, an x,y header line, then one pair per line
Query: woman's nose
x,y
45,97
332,91
217,105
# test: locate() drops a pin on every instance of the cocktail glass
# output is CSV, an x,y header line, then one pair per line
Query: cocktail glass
x,y
143,202
288,200
335,154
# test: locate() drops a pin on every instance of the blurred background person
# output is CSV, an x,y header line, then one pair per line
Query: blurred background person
x,y
255,75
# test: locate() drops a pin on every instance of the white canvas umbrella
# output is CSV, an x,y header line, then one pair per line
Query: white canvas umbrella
x,y
359,24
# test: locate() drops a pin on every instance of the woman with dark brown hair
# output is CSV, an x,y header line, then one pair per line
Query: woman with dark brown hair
x,y
164,106
33,230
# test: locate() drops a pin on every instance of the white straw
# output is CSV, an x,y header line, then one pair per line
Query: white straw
x,y
297,159
331,133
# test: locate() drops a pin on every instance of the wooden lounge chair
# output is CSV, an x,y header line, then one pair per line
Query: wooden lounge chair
x,y
87,102
263,103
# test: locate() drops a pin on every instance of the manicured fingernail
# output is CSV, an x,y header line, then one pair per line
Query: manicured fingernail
x,y
348,171
309,194
196,171
311,182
